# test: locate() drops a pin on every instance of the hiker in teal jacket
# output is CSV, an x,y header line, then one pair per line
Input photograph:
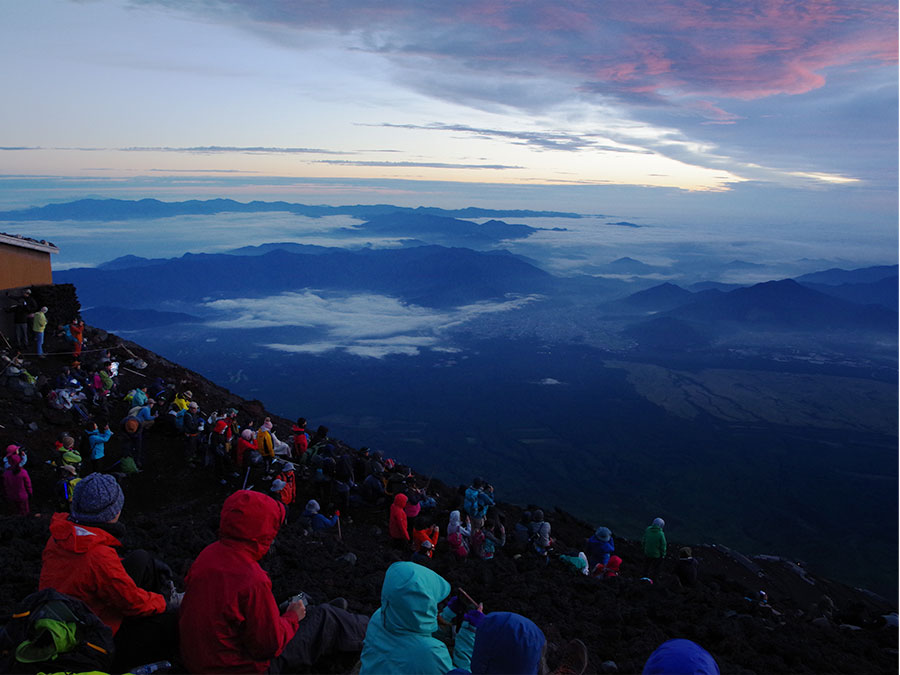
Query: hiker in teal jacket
x,y
399,636
654,548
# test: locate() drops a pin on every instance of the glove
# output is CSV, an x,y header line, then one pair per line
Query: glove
x,y
173,602
474,617
337,513
453,604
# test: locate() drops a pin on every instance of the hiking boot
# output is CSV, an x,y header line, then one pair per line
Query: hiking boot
x,y
574,659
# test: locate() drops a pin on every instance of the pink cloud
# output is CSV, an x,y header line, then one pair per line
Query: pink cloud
x,y
741,49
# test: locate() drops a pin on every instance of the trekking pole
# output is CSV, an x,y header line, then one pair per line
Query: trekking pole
x,y
132,371
340,538
8,346
246,477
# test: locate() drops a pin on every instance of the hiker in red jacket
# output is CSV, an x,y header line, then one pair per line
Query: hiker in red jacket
x,y
398,527
230,622
301,440
81,560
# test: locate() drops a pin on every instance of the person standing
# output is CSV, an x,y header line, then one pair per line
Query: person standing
x,y
17,486
38,325
654,543
22,311
76,328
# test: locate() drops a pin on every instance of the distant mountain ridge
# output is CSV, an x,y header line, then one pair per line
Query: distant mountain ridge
x,y
427,275
121,209
786,304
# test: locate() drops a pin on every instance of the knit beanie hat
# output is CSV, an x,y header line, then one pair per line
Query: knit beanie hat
x,y
97,499
659,522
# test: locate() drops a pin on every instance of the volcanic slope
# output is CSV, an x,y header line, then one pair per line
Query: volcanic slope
x,y
172,511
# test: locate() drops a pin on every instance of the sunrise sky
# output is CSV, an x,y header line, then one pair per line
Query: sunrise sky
x,y
782,104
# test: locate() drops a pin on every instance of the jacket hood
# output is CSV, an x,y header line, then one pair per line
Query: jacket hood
x,y
250,520
400,500
507,643
614,563
79,538
409,598
454,517
680,656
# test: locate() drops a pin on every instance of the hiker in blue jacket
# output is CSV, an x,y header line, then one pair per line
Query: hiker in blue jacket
x,y
506,643
599,547
479,496
680,656
399,636
97,438
316,520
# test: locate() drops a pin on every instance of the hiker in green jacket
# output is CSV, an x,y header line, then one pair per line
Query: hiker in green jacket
x,y
654,542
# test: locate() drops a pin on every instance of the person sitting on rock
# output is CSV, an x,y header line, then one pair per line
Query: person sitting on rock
x,y
510,643
423,532
230,621
372,490
65,486
317,521
146,416
541,541
675,657
458,535
494,538
599,547
182,401
608,571
578,561
654,544
399,638
80,559
140,397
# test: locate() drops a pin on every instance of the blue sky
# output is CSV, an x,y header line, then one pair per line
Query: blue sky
x,y
782,111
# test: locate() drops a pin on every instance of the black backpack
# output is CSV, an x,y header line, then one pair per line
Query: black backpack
x,y
54,632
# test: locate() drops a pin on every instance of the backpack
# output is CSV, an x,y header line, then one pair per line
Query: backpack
x,y
128,466
53,632
458,544
289,491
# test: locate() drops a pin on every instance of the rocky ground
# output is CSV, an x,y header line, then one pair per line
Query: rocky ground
x,y
172,511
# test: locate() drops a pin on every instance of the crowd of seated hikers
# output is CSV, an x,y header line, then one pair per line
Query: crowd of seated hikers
x,y
126,607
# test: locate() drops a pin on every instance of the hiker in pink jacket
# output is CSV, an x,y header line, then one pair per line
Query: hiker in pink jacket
x,y
17,486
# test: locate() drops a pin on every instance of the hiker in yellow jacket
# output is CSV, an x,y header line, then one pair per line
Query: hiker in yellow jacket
x,y
264,443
